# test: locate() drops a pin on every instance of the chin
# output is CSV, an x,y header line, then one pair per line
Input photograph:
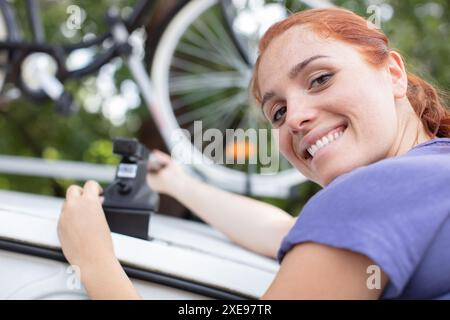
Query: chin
x,y
332,173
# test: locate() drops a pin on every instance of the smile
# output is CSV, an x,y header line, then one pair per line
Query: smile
x,y
325,140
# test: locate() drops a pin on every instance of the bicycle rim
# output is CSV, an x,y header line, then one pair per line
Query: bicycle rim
x,y
199,75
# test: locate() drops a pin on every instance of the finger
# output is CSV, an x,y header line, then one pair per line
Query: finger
x,y
73,191
165,158
92,188
155,163
162,156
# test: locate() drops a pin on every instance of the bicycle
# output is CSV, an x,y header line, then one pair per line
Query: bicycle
x,y
200,70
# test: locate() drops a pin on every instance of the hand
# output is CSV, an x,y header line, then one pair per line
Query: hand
x,y
164,174
82,228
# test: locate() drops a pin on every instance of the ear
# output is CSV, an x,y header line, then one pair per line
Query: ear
x,y
398,75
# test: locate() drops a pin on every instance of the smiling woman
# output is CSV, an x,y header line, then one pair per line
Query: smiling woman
x,y
341,65
376,138
351,119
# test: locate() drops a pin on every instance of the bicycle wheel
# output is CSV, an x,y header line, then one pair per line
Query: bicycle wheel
x,y
199,74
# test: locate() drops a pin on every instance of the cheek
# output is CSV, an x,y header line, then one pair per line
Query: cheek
x,y
376,116
285,144
373,127
367,102
286,149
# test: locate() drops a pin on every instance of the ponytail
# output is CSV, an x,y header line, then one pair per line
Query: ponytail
x,y
429,106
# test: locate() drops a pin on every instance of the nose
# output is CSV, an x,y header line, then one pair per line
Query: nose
x,y
300,117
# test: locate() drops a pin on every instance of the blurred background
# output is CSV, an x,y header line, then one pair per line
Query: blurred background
x,y
110,104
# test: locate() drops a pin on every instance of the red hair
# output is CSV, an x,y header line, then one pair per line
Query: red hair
x,y
372,43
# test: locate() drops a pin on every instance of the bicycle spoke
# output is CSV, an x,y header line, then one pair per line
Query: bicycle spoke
x,y
213,110
228,120
220,42
225,122
188,66
208,57
194,39
204,81
200,114
227,46
194,97
199,41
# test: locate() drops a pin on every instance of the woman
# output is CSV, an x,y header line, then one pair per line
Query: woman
x,y
351,119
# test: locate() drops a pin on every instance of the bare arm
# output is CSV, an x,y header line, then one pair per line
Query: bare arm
x,y
87,244
309,271
252,224
106,280
315,271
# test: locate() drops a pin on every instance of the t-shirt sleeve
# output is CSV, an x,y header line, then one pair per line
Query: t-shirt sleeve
x,y
387,211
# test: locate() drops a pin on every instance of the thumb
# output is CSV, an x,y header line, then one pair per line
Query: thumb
x,y
156,162
162,156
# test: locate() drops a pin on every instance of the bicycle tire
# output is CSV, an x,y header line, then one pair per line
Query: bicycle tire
x,y
277,185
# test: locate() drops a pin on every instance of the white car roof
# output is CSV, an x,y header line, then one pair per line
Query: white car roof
x,y
183,249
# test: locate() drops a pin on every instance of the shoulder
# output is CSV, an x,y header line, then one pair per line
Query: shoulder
x,y
394,189
402,176
389,211
378,203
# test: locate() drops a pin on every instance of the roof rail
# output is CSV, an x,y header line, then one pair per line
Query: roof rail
x,y
38,167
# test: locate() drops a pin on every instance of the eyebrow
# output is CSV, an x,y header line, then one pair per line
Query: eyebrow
x,y
302,65
267,96
292,74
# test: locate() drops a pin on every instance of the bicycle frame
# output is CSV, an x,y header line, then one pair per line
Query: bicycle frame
x,y
19,48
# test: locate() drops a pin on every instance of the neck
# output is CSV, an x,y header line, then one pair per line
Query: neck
x,y
411,130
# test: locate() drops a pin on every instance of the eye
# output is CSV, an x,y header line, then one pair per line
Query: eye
x,y
279,114
319,81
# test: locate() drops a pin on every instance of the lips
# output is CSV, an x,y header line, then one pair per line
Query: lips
x,y
315,135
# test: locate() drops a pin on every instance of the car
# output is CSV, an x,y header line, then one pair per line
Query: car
x,y
182,260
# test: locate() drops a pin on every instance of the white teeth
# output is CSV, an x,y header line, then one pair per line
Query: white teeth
x,y
319,144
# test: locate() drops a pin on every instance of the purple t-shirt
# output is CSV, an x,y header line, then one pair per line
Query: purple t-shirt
x,y
396,212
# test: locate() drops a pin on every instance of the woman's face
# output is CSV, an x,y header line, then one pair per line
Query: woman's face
x,y
314,88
